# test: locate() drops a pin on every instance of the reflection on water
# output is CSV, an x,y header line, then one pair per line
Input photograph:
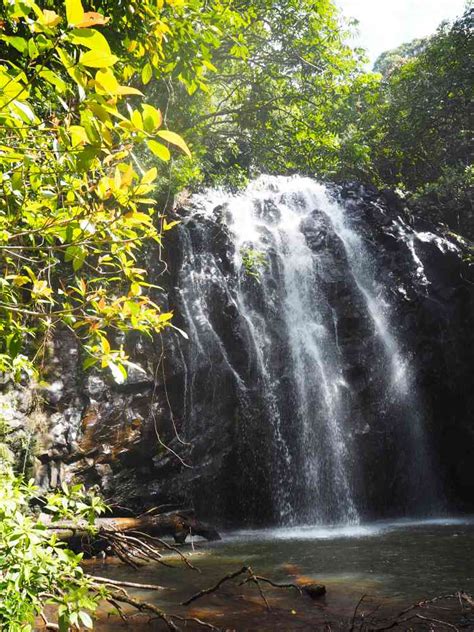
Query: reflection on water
x,y
393,563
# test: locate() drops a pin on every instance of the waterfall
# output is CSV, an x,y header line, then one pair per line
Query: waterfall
x,y
304,348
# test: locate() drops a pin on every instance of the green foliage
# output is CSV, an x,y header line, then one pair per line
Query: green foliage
x,y
253,262
416,125
75,207
392,59
273,106
36,570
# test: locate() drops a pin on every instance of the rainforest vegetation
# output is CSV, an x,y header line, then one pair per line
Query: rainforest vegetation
x,y
108,109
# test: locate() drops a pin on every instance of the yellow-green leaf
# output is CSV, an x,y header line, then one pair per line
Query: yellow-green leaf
x,y
74,12
175,139
90,38
136,119
170,225
152,118
150,176
78,135
208,64
118,371
159,150
105,345
54,79
107,80
165,317
97,59
147,73
50,18
129,90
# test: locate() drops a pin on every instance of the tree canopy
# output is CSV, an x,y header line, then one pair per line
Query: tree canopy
x,y
417,124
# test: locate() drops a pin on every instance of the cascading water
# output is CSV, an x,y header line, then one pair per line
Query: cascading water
x,y
302,349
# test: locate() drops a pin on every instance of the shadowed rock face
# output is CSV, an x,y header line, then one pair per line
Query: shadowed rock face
x,y
337,386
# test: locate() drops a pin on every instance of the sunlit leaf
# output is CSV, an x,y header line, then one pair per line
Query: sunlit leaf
x,y
161,151
74,12
169,225
90,38
136,119
175,139
147,73
97,59
107,80
20,43
152,118
180,331
119,373
124,90
150,176
50,18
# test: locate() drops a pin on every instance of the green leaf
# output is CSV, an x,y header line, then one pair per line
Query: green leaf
x,y
78,259
159,150
54,79
19,43
88,362
63,623
175,139
26,112
86,619
97,59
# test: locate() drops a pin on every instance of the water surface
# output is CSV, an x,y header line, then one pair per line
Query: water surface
x,y
393,563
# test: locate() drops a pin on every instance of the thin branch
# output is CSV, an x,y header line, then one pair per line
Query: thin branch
x,y
114,582
204,624
208,591
274,584
355,612
142,606
168,546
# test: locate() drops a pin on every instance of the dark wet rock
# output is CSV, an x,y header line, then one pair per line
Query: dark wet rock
x,y
268,210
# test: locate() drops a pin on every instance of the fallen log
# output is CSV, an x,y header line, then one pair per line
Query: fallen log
x,y
177,525
131,539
